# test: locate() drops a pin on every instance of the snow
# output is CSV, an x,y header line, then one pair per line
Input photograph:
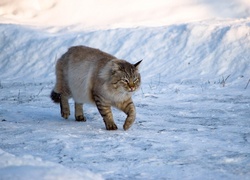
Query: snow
x,y
29,167
192,108
123,13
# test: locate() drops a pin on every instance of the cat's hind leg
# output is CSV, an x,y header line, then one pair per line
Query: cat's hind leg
x,y
64,104
79,112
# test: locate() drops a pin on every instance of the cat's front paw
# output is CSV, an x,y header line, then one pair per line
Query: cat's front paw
x,y
80,118
126,126
111,126
65,115
128,123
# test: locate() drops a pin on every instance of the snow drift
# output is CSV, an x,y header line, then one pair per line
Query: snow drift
x,y
205,51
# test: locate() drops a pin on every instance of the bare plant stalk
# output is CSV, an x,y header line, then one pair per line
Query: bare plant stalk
x,y
142,92
247,84
35,96
40,91
227,77
18,97
224,80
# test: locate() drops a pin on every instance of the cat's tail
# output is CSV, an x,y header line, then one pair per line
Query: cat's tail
x,y
56,92
56,97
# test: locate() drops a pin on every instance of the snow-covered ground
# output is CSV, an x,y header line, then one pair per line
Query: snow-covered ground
x,y
193,108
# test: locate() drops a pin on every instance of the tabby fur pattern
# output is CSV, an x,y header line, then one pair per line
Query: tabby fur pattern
x,y
89,75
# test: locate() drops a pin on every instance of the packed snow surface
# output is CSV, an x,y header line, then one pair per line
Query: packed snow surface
x,y
193,108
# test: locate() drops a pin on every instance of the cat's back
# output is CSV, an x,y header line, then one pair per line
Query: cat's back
x,y
78,54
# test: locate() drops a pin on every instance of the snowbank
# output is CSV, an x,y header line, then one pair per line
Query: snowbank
x,y
200,52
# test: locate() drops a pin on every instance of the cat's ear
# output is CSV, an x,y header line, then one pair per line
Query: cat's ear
x,y
136,65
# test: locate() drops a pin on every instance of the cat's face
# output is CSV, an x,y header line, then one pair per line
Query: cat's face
x,y
126,76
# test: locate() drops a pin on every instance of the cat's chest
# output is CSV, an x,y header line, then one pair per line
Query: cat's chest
x,y
116,97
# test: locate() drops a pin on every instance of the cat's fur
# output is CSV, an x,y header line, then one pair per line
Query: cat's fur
x,y
89,75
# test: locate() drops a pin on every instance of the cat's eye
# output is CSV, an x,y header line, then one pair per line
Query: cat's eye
x,y
125,81
136,80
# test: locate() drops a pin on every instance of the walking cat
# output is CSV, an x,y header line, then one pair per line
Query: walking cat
x,y
89,75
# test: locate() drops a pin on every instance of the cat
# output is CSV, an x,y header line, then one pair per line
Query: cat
x,y
90,75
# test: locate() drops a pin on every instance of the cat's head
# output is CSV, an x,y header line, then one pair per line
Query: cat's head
x,y
125,76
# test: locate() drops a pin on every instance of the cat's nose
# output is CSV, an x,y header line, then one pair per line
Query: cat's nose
x,y
132,88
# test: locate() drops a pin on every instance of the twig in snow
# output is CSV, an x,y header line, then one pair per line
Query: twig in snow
x,y
32,98
224,80
40,91
247,84
19,97
142,92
